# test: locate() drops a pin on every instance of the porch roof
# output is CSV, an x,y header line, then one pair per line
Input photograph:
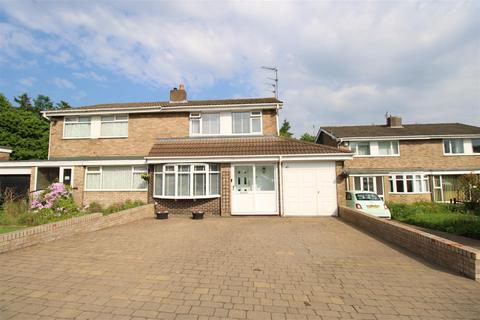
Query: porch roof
x,y
239,146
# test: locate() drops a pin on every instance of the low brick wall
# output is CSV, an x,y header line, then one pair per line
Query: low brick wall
x,y
450,254
61,229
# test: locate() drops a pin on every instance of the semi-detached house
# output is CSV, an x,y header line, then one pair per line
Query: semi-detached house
x,y
222,157
407,162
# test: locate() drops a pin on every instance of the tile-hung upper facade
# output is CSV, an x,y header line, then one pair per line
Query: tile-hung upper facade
x,y
217,156
407,163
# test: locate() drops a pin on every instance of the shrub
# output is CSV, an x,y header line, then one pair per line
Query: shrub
x,y
94,207
122,206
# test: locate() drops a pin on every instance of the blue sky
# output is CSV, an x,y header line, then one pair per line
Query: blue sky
x,y
339,62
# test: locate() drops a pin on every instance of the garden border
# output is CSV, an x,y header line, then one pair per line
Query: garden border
x,y
455,256
56,230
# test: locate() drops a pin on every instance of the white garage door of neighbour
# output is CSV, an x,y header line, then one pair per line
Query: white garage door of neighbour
x,y
309,189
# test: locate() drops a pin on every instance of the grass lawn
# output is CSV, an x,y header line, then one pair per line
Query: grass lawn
x,y
442,217
5,229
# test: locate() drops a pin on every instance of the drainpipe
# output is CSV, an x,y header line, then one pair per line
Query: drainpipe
x,y
280,187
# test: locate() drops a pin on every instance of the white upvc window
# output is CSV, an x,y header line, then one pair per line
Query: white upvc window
x,y
476,145
453,146
386,148
360,148
186,181
409,183
115,178
77,127
246,122
210,123
114,126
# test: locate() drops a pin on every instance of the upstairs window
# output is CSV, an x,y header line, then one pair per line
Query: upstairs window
x,y
453,146
388,148
204,123
476,145
246,122
77,127
360,148
114,126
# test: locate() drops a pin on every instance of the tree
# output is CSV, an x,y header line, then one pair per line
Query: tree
x,y
24,102
468,186
23,129
285,129
307,137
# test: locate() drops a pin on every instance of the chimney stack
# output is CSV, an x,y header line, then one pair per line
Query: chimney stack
x,y
394,122
178,95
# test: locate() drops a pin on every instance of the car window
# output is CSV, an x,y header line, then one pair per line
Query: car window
x,y
367,197
349,196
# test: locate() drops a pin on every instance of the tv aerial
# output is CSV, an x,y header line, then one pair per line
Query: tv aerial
x,y
273,81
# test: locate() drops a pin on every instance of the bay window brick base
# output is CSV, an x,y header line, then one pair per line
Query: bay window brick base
x,y
186,206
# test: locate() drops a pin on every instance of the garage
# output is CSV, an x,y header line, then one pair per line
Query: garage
x,y
309,188
16,181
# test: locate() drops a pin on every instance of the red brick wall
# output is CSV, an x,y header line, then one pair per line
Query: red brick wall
x,y
186,206
225,176
444,252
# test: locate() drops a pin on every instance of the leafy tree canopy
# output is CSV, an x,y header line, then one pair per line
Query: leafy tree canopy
x,y
23,128
307,137
285,129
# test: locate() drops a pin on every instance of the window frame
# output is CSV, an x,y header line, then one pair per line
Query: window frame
x,y
374,149
77,118
100,171
405,178
257,115
206,171
114,121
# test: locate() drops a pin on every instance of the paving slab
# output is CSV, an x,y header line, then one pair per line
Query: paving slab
x,y
238,268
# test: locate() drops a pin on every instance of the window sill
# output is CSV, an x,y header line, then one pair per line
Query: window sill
x,y
187,198
377,156
94,138
409,193
460,154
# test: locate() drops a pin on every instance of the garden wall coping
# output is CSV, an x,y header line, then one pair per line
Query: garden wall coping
x,y
60,229
450,254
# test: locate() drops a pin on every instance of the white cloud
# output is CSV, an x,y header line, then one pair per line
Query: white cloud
x,y
90,75
63,83
27,82
340,62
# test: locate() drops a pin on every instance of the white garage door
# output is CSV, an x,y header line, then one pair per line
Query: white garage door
x,y
309,189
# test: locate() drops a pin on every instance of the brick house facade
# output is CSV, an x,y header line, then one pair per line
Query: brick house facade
x,y
407,163
223,157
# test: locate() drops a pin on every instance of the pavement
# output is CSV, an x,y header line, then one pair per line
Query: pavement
x,y
229,268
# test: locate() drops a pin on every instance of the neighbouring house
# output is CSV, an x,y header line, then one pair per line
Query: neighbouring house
x,y
407,162
222,157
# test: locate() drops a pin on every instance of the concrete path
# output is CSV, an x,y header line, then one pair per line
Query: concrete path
x,y
229,268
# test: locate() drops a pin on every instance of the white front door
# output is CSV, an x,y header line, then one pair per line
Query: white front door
x,y
309,188
254,190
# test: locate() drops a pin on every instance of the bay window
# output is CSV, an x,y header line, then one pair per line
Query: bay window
x,y
77,127
409,183
114,126
115,178
187,180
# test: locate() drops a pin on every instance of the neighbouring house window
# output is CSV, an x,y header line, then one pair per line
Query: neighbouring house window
x,y
247,122
77,127
186,180
476,145
115,178
195,119
388,148
360,148
369,183
453,146
114,126
409,183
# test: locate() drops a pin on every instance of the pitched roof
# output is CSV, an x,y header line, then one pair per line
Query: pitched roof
x,y
167,104
431,129
238,146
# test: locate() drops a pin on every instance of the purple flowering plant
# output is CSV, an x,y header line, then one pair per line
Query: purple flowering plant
x,y
47,199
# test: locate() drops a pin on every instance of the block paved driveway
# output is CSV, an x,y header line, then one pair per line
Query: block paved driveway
x,y
218,268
